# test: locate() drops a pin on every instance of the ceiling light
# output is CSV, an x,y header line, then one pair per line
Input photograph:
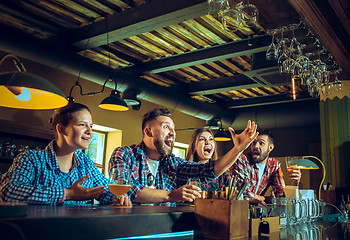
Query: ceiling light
x,y
114,102
27,91
221,136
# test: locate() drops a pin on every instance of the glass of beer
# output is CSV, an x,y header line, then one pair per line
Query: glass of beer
x,y
120,182
196,182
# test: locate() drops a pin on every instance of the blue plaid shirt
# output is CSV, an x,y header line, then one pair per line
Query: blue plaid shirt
x,y
172,173
35,178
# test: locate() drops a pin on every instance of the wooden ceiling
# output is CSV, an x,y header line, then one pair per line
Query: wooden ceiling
x,y
179,46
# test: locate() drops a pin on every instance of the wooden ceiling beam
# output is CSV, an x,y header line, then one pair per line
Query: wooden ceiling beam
x,y
216,53
321,19
144,18
267,100
225,84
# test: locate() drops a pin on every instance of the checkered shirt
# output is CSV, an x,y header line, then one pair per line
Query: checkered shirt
x,y
35,178
172,173
272,175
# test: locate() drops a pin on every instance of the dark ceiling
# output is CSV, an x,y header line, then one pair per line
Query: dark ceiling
x,y
169,51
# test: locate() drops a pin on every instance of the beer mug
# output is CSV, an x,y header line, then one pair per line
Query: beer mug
x,y
322,208
315,210
291,218
280,209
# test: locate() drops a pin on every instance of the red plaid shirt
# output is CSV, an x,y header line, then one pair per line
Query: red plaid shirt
x,y
272,175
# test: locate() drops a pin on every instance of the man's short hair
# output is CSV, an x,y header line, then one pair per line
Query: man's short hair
x,y
268,134
154,114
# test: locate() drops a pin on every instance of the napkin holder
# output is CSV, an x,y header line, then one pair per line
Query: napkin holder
x,y
222,218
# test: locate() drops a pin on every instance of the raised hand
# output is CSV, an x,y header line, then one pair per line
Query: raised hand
x,y
244,139
79,193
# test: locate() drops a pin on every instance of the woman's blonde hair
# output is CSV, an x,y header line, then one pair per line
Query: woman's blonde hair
x,y
191,153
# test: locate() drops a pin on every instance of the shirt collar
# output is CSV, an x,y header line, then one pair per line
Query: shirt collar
x,y
51,157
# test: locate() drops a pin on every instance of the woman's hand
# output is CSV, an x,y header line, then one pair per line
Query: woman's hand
x,y
244,139
79,193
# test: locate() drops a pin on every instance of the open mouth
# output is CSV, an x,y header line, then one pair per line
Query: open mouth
x,y
256,154
207,150
168,142
86,138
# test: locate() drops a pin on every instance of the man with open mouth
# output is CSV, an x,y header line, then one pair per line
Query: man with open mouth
x,y
159,176
262,171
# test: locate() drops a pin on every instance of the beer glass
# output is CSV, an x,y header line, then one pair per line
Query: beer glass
x,y
195,182
119,182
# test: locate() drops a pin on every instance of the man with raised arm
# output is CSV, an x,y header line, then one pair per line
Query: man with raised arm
x,y
157,175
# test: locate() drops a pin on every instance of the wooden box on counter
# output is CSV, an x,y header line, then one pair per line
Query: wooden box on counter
x,y
222,219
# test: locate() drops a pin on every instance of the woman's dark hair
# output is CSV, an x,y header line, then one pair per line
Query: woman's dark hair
x,y
154,114
191,153
63,115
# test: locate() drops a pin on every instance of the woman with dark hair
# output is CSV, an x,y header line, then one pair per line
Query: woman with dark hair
x,y
202,149
60,173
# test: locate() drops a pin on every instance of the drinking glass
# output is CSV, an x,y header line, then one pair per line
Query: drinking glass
x,y
231,19
271,53
283,66
120,182
196,182
250,13
215,6
280,208
295,48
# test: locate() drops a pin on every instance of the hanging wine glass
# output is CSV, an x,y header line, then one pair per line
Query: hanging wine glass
x,y
281,65
295,48
282,45
215,6
271,53
300,64
250,13
231,17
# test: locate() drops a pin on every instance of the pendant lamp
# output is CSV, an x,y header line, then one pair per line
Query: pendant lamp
x,y
23,90
221,136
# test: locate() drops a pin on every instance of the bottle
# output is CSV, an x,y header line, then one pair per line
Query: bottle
x,y
342,204
348,206
343,209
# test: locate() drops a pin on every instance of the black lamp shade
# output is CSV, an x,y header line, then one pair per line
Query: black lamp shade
x,y
221,136
114,102
40,94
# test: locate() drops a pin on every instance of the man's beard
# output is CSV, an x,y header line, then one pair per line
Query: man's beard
x,y
162,147
261,158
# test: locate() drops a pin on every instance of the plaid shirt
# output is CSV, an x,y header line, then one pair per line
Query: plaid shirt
x,y
272,175
219,183
35,178
172,173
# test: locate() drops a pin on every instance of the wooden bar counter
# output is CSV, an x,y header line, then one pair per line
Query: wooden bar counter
x,y
96,222
108,222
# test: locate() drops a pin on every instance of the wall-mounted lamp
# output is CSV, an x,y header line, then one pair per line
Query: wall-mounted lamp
x,y
27,91
113,102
